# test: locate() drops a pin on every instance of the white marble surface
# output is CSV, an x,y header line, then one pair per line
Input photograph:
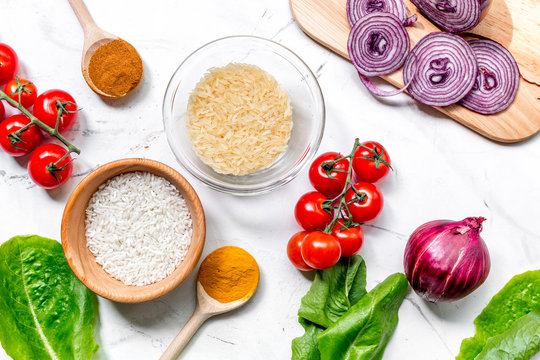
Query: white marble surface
x,y
442,170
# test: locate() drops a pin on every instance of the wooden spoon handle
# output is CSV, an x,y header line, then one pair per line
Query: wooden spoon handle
x,y
85,19
183,337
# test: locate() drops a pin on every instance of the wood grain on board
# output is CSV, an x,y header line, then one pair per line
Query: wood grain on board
x,y
326,22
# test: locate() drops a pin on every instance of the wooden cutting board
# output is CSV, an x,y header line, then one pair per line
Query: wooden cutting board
x,y
515,24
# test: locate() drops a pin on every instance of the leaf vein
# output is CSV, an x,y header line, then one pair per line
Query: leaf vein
x,y
48,346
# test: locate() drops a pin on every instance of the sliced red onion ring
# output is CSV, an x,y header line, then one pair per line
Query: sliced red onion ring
x,y
453,15
380,92
410,20
441,69
357,9
378,45
497,80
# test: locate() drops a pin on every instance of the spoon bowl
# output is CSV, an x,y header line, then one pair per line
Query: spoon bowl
x,y
90,47
94,38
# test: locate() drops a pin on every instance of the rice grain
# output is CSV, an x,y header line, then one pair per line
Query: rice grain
x,y
138,227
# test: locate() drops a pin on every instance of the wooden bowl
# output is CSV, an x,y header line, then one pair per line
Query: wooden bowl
x,y
83,262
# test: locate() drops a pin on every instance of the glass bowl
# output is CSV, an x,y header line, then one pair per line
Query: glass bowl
x,y
289,70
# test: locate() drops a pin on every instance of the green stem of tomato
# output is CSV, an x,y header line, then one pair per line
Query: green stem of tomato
x,y
53,166
35,121
342,206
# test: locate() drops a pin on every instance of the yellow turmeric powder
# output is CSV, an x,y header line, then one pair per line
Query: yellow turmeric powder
x,y
228,274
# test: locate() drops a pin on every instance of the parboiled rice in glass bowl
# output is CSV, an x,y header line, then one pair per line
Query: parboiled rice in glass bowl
x,y
289,71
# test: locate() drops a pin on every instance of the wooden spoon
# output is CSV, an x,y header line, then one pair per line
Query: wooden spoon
x,y
94,38
206,308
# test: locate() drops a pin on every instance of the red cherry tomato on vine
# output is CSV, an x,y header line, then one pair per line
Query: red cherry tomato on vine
x,y
49,103
294,253
21,90
9,63
371,163
370,205
2,111
41,166
323,175
29,139
309,212
350,239
320,250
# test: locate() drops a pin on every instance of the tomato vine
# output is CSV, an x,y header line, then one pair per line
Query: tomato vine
x,y
342,210
16,136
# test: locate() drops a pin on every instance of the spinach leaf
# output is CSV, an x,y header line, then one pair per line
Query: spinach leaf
x,y
334,291
366,328
517,298
305,347
520,342
45,311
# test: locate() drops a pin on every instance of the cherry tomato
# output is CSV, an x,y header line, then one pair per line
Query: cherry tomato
x,y
323,174
350,239
371,163
2,111
9,63
21,90
369,207
49,103
320,250
29,139
294,252
40,166
309,212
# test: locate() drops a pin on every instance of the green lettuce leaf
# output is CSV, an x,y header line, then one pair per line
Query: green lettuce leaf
x,y
520,342
334,291
363,332
45,311
305,347
518,297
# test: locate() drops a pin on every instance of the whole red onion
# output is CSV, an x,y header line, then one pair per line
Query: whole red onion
x,y
447,260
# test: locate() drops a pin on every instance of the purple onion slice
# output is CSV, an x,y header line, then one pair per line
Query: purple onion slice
x,y
441,69
378,45
453,15
357,9
497,80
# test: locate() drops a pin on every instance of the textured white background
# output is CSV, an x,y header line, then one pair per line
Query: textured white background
x,y
442,170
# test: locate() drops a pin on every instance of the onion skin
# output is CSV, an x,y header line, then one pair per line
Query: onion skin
x,y
447,260
485,5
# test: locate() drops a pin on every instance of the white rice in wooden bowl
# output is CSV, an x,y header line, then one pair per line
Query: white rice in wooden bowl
x,y
239,119
138,227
